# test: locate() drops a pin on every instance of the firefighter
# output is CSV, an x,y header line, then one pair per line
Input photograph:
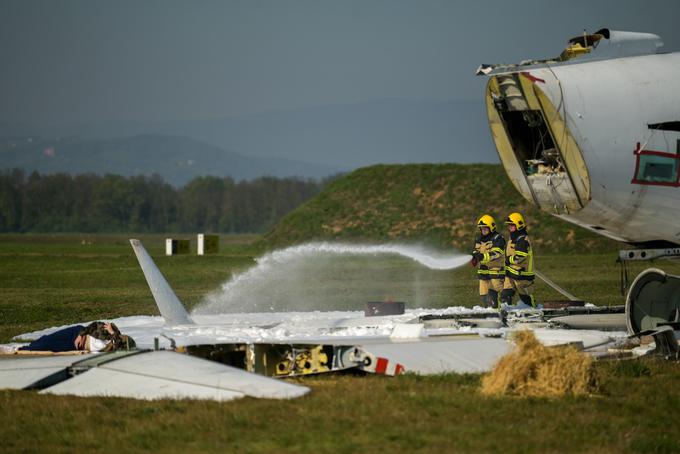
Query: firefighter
x,y
488,256
519,263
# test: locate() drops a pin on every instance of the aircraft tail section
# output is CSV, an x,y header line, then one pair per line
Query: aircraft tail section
x,y
170,306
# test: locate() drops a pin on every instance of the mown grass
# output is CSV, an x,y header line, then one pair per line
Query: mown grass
x,y
53,280
360,414
48,280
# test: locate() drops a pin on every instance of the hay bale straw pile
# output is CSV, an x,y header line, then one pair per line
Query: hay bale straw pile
x,y
532,369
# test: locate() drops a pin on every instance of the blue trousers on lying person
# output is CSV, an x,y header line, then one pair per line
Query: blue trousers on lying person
x,y
59,341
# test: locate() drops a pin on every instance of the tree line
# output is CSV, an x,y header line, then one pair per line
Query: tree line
x,y
113,203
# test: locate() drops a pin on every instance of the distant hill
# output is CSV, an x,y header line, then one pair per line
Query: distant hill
x,y
347,136
435,204
176,159
357,135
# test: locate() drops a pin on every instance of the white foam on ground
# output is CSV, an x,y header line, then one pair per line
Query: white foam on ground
x,y
344,327
263,327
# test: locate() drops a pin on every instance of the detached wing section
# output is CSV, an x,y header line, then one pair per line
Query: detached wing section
x,y
169,375
169,305
21,372
144,375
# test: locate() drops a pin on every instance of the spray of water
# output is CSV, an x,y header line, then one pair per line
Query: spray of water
x,y
328,276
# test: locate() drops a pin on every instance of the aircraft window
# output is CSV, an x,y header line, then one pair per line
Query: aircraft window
x,y
654,167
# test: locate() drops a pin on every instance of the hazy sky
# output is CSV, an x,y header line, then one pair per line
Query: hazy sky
x,y
149,61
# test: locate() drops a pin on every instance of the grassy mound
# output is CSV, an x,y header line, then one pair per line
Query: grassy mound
x,y
436,204
534,370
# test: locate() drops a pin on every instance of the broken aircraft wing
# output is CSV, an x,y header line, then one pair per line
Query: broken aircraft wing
x,y
142,375
27,372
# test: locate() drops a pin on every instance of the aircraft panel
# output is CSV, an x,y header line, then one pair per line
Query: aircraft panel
x,y
174,370
463,355
102,382
17,372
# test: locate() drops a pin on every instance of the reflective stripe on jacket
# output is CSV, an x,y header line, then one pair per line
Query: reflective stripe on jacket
x,y
519,257
492,265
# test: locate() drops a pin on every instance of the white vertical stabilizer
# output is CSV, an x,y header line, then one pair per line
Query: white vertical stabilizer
x,y
171,307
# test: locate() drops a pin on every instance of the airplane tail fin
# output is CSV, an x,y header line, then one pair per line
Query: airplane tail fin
x,y
171,307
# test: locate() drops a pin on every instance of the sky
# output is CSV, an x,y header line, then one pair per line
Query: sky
x,y
153,61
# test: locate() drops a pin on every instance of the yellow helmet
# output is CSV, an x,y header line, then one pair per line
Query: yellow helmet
x,y
487,221
517,220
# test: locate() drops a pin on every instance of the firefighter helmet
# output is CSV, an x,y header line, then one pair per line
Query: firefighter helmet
x,y
517,220
487,221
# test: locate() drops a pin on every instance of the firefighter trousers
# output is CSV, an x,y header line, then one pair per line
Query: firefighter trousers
x,y
489,290
523,287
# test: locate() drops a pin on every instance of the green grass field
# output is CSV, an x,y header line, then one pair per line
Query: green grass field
x,y
48,280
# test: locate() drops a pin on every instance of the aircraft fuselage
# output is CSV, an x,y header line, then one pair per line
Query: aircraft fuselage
x,y
596,143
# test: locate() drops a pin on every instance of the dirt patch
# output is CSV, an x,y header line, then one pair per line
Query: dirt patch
x,y
532,369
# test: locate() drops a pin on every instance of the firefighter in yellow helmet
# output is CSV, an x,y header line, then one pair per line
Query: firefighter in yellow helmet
x,y
488,257
519,263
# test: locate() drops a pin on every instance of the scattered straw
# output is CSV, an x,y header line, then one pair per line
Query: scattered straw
x,y
532,369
